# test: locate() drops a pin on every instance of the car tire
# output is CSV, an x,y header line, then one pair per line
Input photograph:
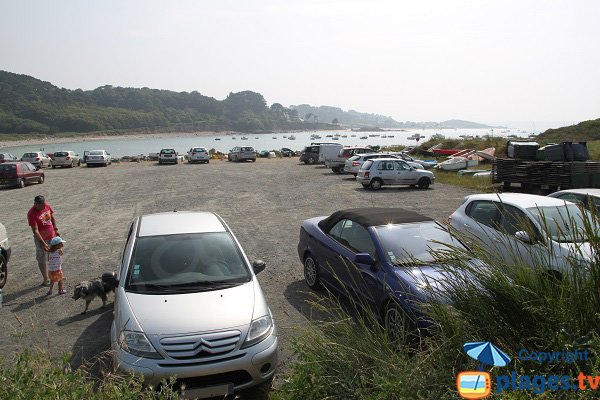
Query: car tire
x,y
396,324
21,183
310,160
311,272
53,166
376,184
72,164
3,271
79,163
41,179
336,170
424,183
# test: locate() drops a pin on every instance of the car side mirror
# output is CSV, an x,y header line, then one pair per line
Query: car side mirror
x,y
258,266
364,258
523,237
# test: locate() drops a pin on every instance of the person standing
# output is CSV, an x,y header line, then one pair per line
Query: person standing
x,y
43,225
54,264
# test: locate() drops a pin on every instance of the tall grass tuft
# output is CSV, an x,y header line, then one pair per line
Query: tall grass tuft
x,y
514,304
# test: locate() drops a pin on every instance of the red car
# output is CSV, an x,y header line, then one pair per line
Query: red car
x,y
19,174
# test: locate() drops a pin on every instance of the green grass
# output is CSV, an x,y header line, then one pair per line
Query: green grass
x,y
349,356
452,178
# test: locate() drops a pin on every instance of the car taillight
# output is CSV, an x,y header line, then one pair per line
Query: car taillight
x,y
355,163
193,154
68,158
367,173
37,159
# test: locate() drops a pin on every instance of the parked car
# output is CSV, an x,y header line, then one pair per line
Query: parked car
x,y
264,154
65,159
590,198
242,153
426,164
338,162
525,228
167,156
198,154
37,158
285,152
7,157
354,163
4,255
189,305
97,157
310,154
373,253
19,174
390,171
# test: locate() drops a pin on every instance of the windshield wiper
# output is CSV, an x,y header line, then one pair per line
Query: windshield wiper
x,y
211,284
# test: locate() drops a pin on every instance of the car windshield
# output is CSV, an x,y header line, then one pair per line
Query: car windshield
x,y
167,151
563,223
61,154
405,244
188,262
30,155
96,153
199,149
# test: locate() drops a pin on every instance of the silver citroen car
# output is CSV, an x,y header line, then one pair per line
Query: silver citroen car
x,y
189,305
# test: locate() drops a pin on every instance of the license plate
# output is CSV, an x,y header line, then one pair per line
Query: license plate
x,y
210,391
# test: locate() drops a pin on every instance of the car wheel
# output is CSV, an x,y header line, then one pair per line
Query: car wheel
x,y
53,166
311,272
375,184
3,271
41,179
72,164
355,175
207,161
336,170
423,183
79,163
396,324
21,183
310,160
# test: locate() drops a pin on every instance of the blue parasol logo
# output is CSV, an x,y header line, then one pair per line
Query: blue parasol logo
x,y
487,353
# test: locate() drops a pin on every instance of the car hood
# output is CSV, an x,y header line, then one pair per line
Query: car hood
x,y
193,312
581,251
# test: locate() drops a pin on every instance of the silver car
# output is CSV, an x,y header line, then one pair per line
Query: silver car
x,y
392,171
37,158
354,163
97,157
4,256
198,154
65,159
189,305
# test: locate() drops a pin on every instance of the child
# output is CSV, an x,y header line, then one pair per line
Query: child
x,y
55,264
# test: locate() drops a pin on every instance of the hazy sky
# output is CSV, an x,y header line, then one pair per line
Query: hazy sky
x,y
415,60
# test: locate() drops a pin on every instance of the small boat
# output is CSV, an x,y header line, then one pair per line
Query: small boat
x,y
353,135
390,136
255,137
483,174
444,152
292,137
469,172
217,138
244,138
344,135
384,136
487,154
457,163
274,137
233,137
374,135
335,138
364,137
328,135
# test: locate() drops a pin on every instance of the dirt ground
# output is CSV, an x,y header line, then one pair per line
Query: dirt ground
x,y
264,203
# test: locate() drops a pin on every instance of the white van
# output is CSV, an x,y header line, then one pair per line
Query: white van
x,y
328,151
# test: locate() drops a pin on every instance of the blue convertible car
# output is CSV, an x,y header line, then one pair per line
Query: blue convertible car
x,y
385,256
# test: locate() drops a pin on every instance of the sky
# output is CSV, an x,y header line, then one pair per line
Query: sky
x,y
425,60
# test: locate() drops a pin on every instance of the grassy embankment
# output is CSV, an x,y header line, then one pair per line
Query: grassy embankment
x,y
348,355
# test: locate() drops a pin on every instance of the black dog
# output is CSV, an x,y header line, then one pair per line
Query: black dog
x,y
99,287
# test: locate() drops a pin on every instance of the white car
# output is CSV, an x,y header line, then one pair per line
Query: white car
x,y
525,229
378,172
65,159
189,305
589,198
37,158
97,157
198,154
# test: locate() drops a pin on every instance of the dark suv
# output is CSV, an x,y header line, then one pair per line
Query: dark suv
x,y
310,154
242,153
19,174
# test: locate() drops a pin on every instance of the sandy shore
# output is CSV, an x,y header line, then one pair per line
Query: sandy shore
x,y
86,138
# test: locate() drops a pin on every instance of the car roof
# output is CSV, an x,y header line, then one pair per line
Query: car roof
x,y
373,216
179,222
522,200
593,192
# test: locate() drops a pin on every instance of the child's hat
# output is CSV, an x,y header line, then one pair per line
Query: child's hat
x,y
56,240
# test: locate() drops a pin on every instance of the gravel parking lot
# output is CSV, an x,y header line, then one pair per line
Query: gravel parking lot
x,y
263,202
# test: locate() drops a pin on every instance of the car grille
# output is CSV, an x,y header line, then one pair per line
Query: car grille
x,y
200,346
238,378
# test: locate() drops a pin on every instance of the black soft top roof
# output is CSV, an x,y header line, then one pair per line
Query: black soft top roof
x,y
373,217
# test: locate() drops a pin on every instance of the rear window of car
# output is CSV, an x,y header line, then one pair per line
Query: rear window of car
x,y
96,153
10,168
367,165
30,155
61,154
353,158
247,148
198,149
167,151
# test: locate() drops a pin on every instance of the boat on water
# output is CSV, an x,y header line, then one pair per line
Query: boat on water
x,y
244,138
344,135
233,137
374,135
217,138
255,137
390,136
274,137
335,138
353,135
291,137
364,137
328,135
384,136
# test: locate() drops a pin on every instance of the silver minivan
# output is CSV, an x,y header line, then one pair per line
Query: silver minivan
x,y
375,173
189,305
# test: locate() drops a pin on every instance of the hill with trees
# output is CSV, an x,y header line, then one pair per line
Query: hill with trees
x,y
583,131
29,105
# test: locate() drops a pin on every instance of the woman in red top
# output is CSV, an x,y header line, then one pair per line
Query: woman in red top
x,y
41,220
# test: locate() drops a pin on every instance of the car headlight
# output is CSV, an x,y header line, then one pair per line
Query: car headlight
x,y
260,328
137,344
